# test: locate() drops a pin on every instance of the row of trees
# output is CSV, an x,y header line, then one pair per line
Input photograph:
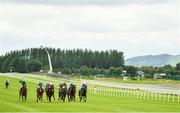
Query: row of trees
x,y
84,70
85,62
118,71
167,69
30,60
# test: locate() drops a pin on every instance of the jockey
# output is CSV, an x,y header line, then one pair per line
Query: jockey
x,y
71,84
61,86
7,81
23,83
84,86
47,85
40,85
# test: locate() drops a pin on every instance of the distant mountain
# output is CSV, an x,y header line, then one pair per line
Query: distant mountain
x,y
153,60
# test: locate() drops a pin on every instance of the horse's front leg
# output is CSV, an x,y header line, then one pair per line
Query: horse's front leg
x,y
22,98
80,96
74,98
42,97
50,98
59,95
37,98
85,99
25,97
53,96
68,98
19,96
47,96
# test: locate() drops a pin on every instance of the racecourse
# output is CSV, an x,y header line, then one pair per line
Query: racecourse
x,y
159,88
9,99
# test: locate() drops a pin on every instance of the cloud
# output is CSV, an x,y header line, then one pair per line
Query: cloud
x,y
131,18
135,28
88,2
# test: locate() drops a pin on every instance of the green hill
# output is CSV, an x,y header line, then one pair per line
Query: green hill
x,y
153,60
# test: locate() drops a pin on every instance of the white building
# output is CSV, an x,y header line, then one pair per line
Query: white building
x,y
159,75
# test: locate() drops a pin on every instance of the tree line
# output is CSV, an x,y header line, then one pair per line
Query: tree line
x,y
169,70
67,61
77,61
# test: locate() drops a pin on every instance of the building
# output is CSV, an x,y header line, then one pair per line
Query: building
x,y
140,74
159,75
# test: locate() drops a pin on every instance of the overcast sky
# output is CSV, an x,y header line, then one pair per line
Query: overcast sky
x,y
136,27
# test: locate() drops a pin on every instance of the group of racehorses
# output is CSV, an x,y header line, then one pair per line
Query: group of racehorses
x,y
63,91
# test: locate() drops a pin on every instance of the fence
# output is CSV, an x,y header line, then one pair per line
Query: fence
x,y
133,94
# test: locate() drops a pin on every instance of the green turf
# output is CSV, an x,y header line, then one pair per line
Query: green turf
x,y
9,101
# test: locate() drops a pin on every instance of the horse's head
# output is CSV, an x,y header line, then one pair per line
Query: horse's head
x,y
83,89
41,89
63,87
52,86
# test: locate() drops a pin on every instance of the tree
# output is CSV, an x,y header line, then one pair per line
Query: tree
x,y
33,65
19,65
131,70
84,70
113,71
149,69
62,59
178,66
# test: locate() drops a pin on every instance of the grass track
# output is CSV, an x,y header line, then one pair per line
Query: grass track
x,y
9,101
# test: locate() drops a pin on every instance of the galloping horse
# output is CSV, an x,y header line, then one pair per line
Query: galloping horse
x,y
62,92
82,93
40,92
50,92
23,93
71,92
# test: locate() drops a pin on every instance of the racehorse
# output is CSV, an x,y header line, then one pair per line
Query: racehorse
x,y
23,93
40,92
71,93
62,92
6,84
50,92
82,94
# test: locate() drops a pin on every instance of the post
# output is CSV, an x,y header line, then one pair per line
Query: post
x,y
173,97
169,97
164,97
160,96
144,95
148,95
152,95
